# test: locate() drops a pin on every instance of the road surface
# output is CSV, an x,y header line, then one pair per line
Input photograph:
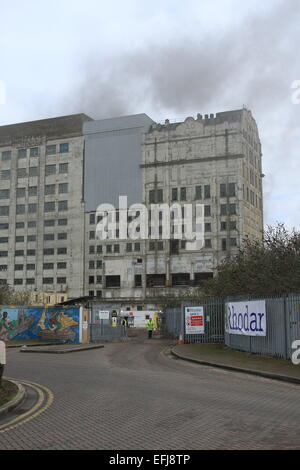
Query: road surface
x,y
134,395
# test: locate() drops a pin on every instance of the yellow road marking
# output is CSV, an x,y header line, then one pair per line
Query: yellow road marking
x,y
44,393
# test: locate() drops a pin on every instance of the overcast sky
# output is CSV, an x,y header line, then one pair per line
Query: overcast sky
x,y
168,59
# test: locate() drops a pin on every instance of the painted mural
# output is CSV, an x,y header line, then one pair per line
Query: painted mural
x,y
49,324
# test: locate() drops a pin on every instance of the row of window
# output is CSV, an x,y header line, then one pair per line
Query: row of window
x,y
130,247
4,254
32,238
153,280
207,228
180,194
19,239
231,209
32,190
201,192
32,224
34,151
32,208
95,279
98,293
51,222
95,264
225,209
63,168
51,206
31,267
47,252
136,247
46,280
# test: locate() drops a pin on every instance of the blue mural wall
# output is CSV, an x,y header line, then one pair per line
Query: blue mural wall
x,y
45,324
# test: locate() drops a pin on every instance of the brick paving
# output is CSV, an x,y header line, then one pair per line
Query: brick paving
x,y
133,395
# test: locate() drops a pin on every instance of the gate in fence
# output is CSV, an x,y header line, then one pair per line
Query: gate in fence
x,y
198,322
204,321
102,331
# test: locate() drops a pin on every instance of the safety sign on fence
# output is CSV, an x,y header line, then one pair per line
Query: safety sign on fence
x,y
194,320
103,315
246,318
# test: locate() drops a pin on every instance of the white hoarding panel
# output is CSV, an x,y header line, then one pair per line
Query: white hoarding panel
x,y
246,318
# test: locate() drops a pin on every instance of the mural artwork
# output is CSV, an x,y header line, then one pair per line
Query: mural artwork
x,y
50,324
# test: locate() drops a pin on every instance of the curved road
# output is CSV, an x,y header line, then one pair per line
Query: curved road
x,y
134,395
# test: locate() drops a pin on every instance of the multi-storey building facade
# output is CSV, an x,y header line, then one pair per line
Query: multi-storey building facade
x,y
41,205
211,160
48,234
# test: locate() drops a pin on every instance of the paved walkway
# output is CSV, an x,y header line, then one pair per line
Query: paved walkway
x,y
220,355
136,395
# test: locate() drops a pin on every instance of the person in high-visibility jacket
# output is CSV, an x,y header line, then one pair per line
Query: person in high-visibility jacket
x,y
150,327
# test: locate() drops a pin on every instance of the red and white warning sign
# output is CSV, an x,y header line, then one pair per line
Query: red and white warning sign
x,y
194,320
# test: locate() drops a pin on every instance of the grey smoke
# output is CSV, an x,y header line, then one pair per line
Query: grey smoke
x,y
253,64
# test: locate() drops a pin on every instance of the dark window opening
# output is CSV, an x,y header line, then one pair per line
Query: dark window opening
x,y
113,281
174,247
181,279
156,280
183,194
138,280
224,244
202,277
174,194
207,191
198,192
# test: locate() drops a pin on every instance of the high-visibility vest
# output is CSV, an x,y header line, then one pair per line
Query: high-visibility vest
x,y
150,325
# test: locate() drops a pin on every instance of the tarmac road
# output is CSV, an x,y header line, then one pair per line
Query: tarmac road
x,y
134,395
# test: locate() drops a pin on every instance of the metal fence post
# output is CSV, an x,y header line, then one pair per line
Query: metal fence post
x,y
182,321
285,326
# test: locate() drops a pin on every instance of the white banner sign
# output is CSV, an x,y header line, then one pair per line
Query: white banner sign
x,y
246,318
103,314
194,320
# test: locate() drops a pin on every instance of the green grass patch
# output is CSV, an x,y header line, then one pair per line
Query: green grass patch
x,y
8,391
221,354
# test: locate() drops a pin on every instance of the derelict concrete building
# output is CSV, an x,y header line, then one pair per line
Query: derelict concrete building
x,y
55,173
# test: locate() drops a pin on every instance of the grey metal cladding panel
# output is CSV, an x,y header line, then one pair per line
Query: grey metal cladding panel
x,y
118,123
112,169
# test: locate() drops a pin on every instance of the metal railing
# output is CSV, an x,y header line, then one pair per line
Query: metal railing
x,y
282,328
173,321
104,332
282,324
